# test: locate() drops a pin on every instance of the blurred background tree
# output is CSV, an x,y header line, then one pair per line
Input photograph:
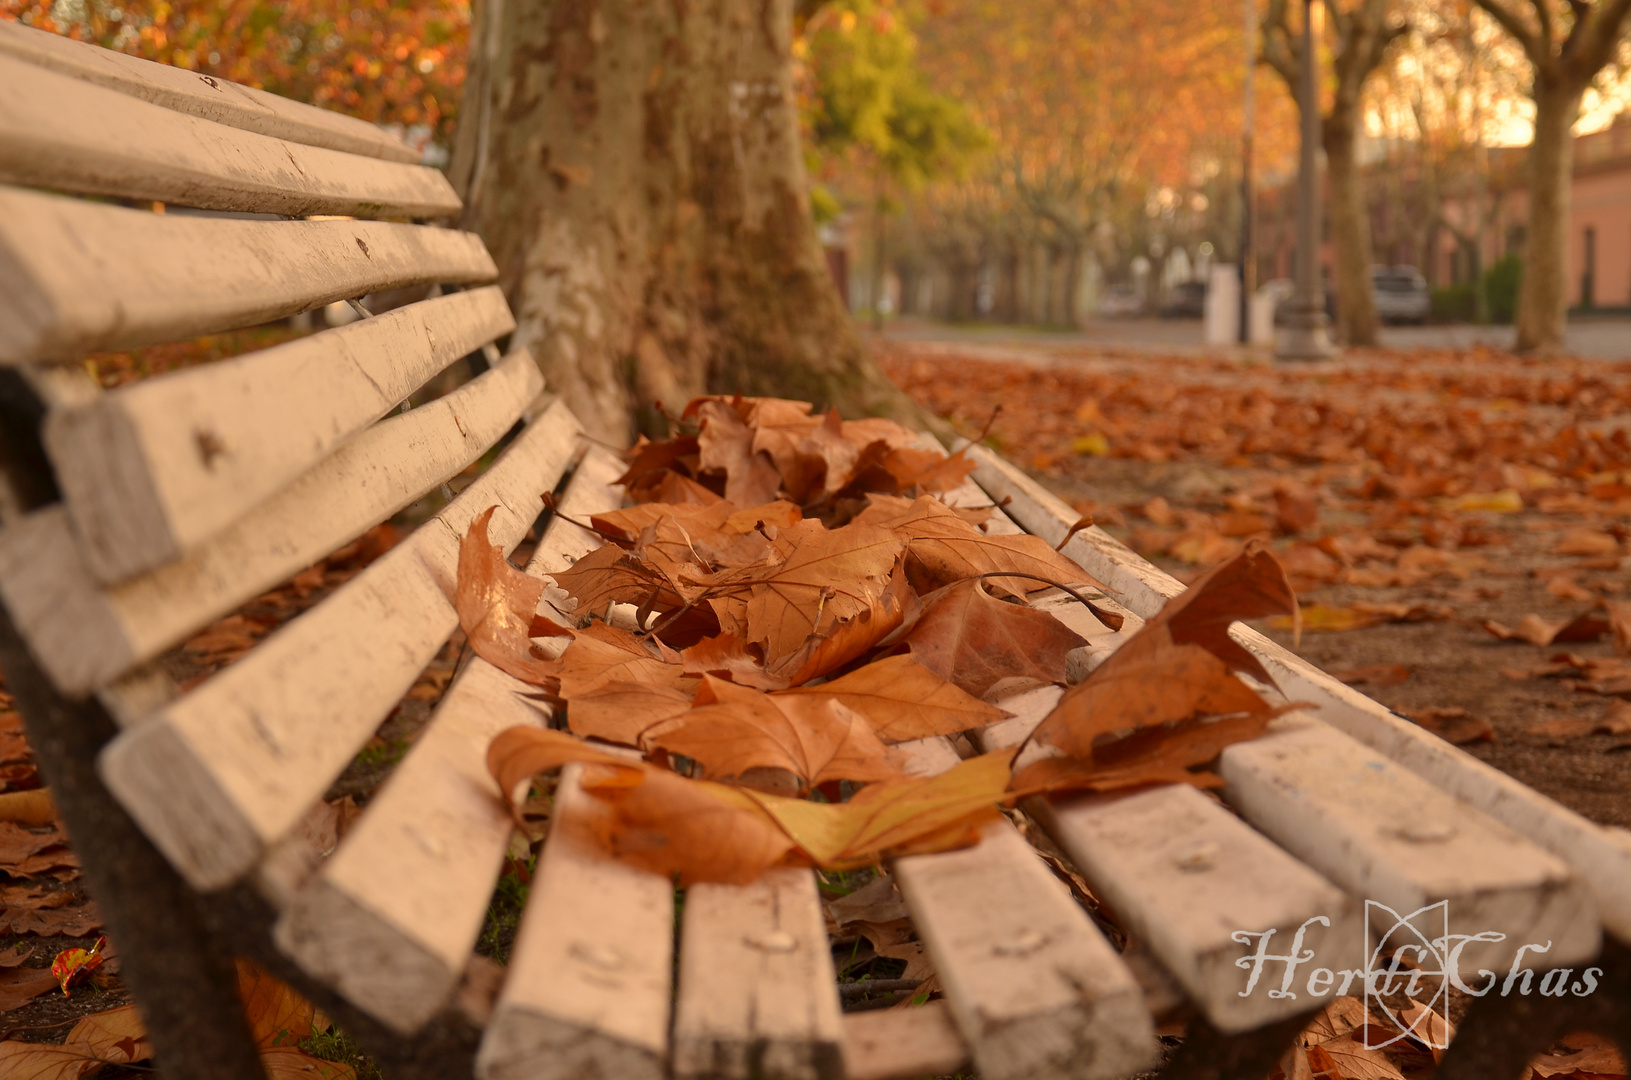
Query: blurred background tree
x,y
395,62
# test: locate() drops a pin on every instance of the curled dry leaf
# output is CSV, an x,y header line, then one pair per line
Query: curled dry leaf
x,y
703,831
1175,670
498,606
731,729
1588,626
1452,723
726,444
974,640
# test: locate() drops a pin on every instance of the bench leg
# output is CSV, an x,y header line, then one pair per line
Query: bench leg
x,y
184,984
1500,1035
1208,1054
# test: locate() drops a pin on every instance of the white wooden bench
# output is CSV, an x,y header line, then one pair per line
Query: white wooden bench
x,y
130,519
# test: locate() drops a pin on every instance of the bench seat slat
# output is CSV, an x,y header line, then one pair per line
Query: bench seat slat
x,y
202,95
151,470
85,635
1598,857
903,1044
390,918
60,133
1036,989
1384,833
179,277
218,776
590,981
758,994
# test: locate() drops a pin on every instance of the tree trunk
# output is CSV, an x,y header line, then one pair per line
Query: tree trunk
x,y
639,182
1350,233
1543,298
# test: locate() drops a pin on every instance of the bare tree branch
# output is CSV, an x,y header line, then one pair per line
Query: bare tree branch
x,y
1281,50
1512,24
1607,27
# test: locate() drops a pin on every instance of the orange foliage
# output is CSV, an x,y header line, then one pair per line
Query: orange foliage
x,y
389,62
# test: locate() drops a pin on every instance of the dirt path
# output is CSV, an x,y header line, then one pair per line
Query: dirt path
x,y
1441,489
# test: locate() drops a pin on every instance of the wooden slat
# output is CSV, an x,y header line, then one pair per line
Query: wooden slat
x,y
1036,989
591,976
1591,851
218,776
153,469
1183,875
60,133
903,1044
83,276
1386,834
758,995
203,96
84,634
390,918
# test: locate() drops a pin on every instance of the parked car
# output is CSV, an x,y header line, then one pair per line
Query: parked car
x,y
1188,301
1120,301
1401,294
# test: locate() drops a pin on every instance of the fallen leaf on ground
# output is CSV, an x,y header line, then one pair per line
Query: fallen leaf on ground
x,y
28,807
19,986
972,639
115,1037
1617,722
1372,675
1586,541
51,922
498,606
1588,1053
72,965
1538,631
1451,723
17,843
1317,618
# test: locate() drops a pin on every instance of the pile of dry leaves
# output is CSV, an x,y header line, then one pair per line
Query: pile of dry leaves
x,y
788,602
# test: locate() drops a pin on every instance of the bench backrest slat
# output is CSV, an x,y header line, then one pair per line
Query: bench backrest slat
x,y
217,777
81,277
60,133
85,634
153,469
391,917
203,96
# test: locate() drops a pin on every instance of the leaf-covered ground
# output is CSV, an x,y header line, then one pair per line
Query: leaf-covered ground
x,y
1413,496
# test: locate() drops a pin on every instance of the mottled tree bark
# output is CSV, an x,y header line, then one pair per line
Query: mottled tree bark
x,y
1350,230
1543,298
641,186
1363,35
1563,65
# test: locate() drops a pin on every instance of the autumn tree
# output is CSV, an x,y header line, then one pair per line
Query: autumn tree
x,y
399,64
1361,36
1567,47
636,170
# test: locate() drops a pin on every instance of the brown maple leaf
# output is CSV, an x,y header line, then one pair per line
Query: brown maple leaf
x,y
498,607
1179,666
943,548
727,445
974,640
731,729
616,685
903,700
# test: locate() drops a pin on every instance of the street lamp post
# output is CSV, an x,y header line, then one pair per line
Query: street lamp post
x,y
1305,334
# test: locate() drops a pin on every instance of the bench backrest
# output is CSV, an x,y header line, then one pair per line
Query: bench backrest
x,y
182,496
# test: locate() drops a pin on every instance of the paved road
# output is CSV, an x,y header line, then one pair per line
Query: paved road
x,y
1602,339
